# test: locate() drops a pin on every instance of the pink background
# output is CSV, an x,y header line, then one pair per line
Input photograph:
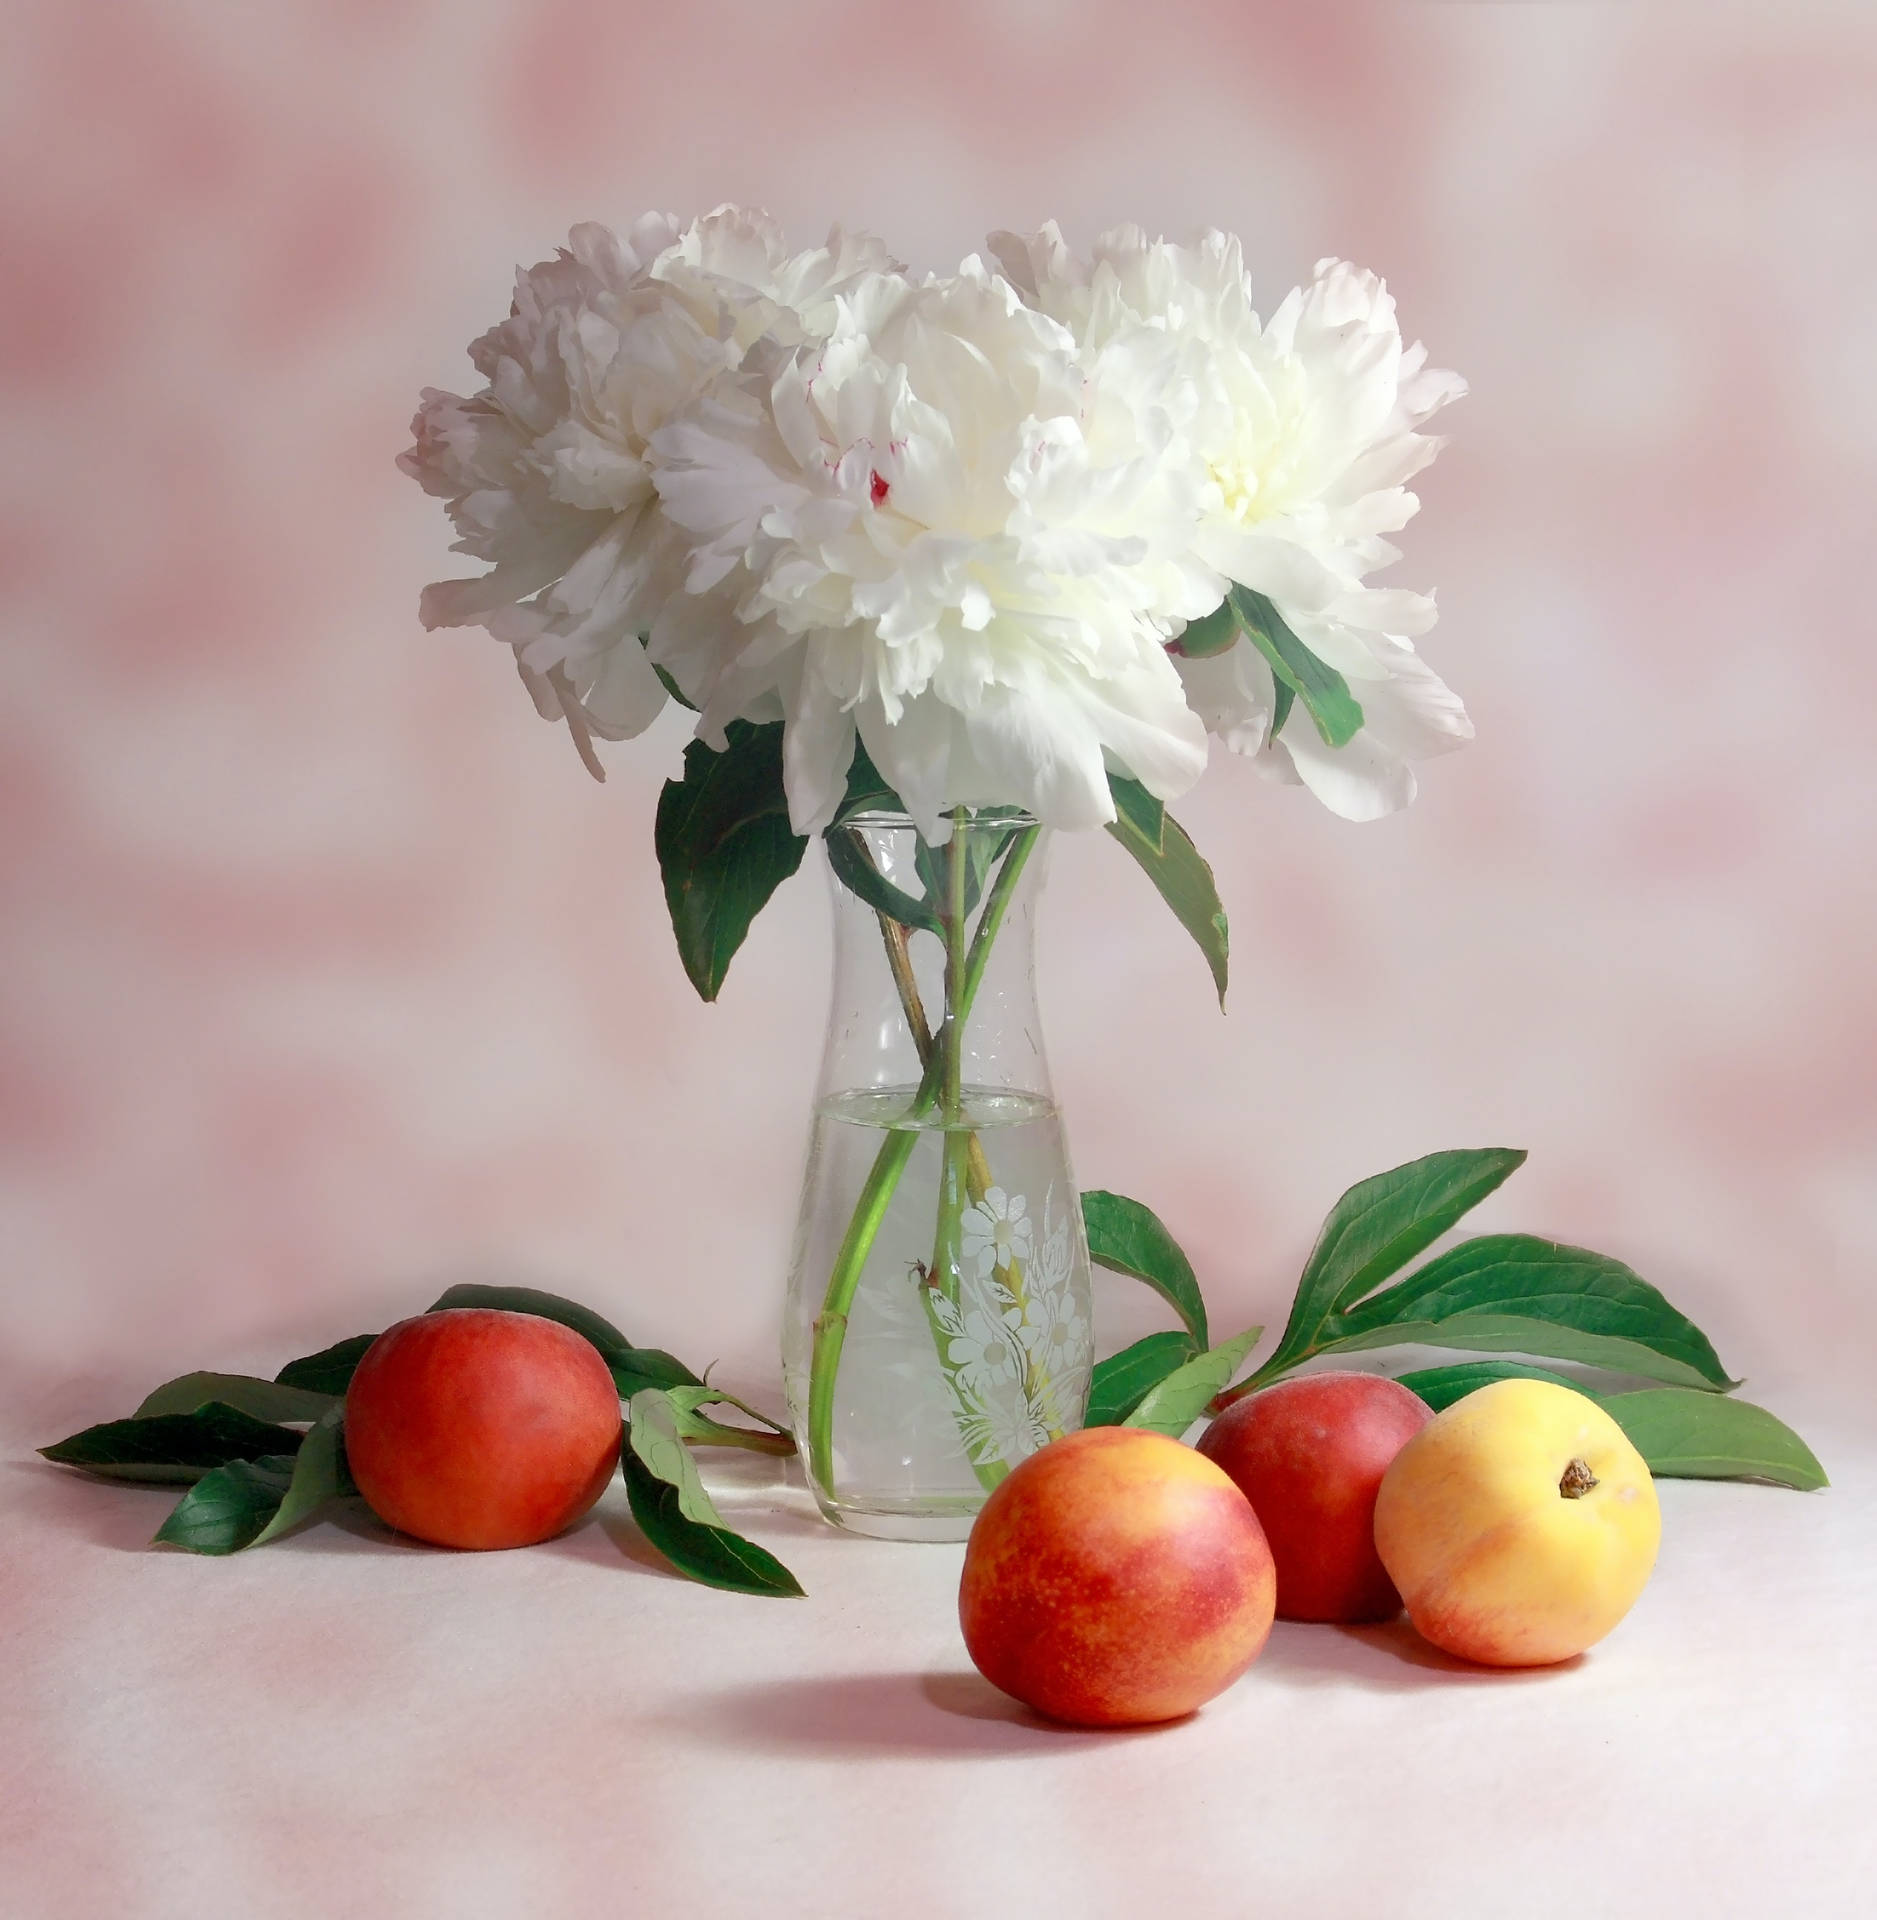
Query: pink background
x,y
328,975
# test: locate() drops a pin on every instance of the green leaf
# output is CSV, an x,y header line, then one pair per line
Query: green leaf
x,y
1689,1435
1128,1238
1281,706
1442,1386
590,1326
1124,1379
330,1370
264,1399
644,1367
174,1449
724,846
634,1369
701,1430
1324,692
1183,879
320,1474
1144,817
230,1508
1180,1399
853,867
668,683
1515,1293
867,791
1213,633
1374,1230
676,1515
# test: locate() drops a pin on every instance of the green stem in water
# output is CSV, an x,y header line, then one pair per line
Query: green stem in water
x,y
876,1193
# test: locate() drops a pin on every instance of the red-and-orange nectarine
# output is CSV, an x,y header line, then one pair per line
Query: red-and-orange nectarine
x,y
479,1428
1115,1578
1309,1454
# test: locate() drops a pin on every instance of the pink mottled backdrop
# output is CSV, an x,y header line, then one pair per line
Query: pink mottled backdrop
x,y
327,973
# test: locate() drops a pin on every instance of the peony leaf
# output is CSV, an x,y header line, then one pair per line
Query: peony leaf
x,y
633,1368
1324,692
1182,1397
1215,632
1128,1238
264,1399
1689,1435
854,868
701,1430
1374,1230
724,846
230,1508
1172,863
1144,817
1440,1387
1282,700
676,1515
1124,1379
1515,1293
867,791
320,1474
331,1369
175,1449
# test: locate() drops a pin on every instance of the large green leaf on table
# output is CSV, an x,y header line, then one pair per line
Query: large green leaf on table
x,y
1516,1293
1129,1238
633,1368
264,1399
1689,1435
1374,1230
230,1508
248,1502
1122,1381
724,846
853,867
1180,1399
1323,691
1170,860
331,1369
676,1515
320,1474
173,1449
701,1430
1440,1387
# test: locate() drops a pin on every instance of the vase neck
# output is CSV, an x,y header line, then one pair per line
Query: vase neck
x,y
934,986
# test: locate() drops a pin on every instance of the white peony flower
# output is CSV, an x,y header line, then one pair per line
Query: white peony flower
x,y
546,470
934,529
1304,429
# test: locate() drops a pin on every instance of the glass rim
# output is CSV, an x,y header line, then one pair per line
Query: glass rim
x,y
1005,817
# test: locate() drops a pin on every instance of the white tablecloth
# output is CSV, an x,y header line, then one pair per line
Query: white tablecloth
x,y
346,1724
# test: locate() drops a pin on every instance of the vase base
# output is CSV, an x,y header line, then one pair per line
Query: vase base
x,y
929,1520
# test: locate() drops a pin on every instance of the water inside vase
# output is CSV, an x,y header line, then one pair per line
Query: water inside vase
x,y
939,1395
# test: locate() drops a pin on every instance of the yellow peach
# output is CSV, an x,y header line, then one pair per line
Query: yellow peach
x,y
1520,1525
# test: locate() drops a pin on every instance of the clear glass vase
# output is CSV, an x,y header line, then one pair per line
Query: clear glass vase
x,y
937,1329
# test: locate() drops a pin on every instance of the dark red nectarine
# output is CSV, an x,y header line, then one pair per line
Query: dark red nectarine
x,y
1115,1578
1309,1454
479,1428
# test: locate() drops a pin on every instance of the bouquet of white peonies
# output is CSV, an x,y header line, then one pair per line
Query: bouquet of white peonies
x,y
984,553
1013,529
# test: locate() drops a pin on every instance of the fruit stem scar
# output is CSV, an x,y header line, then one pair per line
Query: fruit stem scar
x,y
1577,1480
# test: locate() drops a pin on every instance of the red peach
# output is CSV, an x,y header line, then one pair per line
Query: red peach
x,y
480,1428
1115,1578
1309,1454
